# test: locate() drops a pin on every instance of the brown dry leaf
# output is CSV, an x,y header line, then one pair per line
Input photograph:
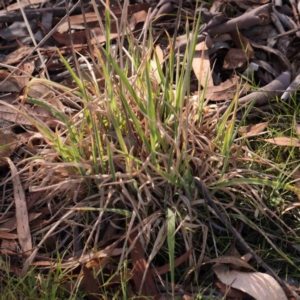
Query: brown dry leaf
x,y
230,291
11,224
53,101
166,268
23,75
181,41
23,228
80,38
232,251
16,56
139,268
38,90
201,65
226,90
235,58
110,231
260,286
98,264
138,17
232,260
23,138
10,85
89,284
9,247
253,130
12,114
284,141
8,143
242,42
77,21
32,198
8,235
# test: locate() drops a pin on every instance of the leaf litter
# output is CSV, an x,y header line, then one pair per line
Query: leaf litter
x,y
238,45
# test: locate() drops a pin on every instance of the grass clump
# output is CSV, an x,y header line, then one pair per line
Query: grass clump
x,y
114,171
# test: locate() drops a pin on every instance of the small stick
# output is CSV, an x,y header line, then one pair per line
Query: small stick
x,y
286,33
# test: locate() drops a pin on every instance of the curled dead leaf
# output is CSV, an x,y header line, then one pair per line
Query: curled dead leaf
x,y
260,286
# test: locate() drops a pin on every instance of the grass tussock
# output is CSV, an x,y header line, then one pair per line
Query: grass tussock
x,y
116,167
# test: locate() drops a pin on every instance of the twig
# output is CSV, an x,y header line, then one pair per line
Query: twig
x,y
286,33
245,246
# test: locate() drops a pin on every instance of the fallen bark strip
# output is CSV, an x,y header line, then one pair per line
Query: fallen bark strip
x,y
266,93
257,16
219,25
273,51
209,201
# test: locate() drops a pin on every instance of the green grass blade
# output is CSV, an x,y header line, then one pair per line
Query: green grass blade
x,y
171,245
